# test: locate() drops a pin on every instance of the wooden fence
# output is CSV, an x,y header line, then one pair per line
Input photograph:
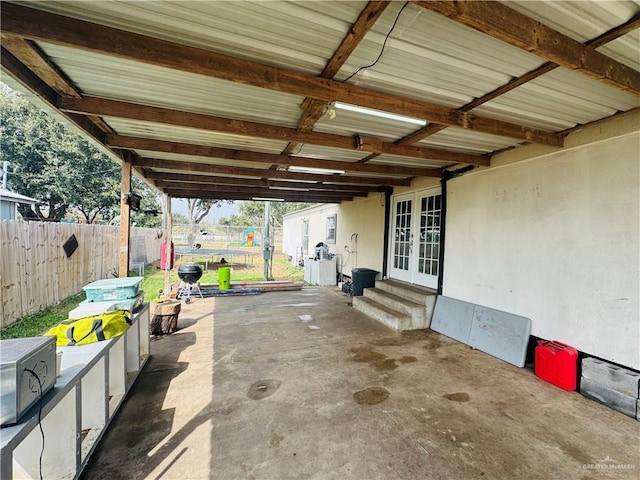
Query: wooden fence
x,y
35,272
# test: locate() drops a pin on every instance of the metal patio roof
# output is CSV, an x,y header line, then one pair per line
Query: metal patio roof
x,y
236,99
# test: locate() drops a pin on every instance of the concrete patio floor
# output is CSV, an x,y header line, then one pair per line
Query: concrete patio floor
x,y
247,390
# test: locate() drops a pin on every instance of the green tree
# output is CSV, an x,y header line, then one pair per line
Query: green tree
x,y
236,221
53,164
149,204
179,219
197,210
255,211
25,135
96,181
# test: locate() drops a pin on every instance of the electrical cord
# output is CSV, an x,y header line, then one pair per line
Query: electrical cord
x,y
384,44
35,375
342,265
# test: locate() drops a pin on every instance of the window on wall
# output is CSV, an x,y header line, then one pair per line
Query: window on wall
x,y
331,229
305,237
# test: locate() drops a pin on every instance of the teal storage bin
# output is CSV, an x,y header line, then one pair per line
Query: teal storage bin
x,y
113,289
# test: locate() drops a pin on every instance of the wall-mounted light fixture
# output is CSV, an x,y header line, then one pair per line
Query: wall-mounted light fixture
x,y
133,200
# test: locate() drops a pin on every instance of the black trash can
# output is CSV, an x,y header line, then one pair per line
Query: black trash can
x,y
362,278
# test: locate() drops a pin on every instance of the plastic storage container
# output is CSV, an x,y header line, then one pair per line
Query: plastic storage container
x,y
362,278
87,308
113,289
557,363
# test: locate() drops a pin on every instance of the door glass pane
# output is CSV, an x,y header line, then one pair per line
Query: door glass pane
x,y
402,247
429,241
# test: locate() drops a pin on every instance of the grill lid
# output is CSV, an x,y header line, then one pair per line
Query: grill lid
x,y
190,272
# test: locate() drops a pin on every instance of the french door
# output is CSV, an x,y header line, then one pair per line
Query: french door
x,y
415,238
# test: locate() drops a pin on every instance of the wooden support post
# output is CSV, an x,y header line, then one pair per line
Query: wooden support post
x,y
168,236
125,215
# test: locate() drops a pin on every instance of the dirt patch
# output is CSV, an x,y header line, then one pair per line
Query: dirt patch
x,y
371,395
450,359
457,397
263,389
433,340
391,341
434,343
275,439
408,359
376,359
574,452
416,335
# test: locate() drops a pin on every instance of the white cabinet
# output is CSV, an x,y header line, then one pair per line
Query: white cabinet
x,y
320,272
94,380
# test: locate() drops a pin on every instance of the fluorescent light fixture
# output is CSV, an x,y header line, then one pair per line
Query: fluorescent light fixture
x,y
314,170
262,199
378,113
289,189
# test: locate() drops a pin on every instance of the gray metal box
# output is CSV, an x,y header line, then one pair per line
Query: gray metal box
x,y
19,389
609,397
616,378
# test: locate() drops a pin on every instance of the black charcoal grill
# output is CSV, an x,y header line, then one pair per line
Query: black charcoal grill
x,y
189,274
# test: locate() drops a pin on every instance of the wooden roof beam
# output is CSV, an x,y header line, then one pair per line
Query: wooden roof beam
x,y
105,107
35,60
197,167
259,182
313,109
213,195
503,23
48,27
136,143
256,191
547,67
23,75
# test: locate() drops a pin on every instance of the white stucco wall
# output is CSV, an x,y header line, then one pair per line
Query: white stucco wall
x,y
555,238
292,228
364,217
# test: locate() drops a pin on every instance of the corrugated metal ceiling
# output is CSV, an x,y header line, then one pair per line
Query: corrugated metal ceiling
x,y
574,99
196,158
474,142
129,81
194,136
296,35
583,21
434,52
427,57
330,153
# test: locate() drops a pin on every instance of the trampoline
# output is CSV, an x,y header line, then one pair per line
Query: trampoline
x,y
225,253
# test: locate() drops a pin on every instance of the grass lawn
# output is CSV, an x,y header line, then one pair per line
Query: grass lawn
x,y
38,323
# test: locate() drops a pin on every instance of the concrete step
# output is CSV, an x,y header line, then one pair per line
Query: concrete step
x,y
389,317
410,292
417,312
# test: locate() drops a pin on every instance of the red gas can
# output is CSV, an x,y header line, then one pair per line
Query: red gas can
x,y
557,363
